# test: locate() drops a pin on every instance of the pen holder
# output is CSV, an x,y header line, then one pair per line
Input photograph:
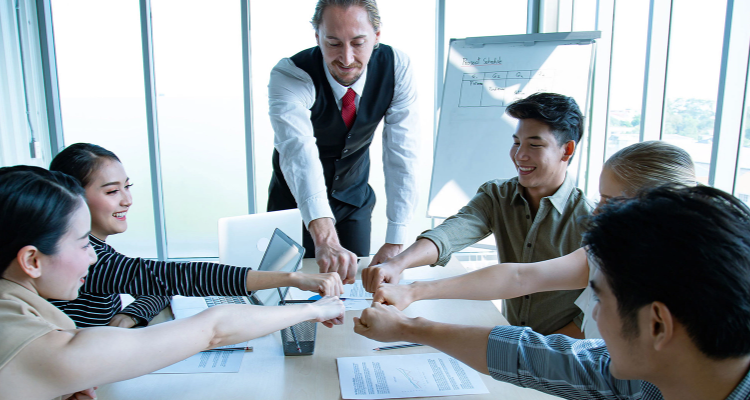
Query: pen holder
x,y
299,339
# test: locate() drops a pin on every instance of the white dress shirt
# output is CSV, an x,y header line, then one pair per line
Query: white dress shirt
x,y
291,95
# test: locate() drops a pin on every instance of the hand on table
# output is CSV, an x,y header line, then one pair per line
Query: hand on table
x,y
327,284
335,258
399,296
382,323
330,311
87,394
122,321
385,253
373,276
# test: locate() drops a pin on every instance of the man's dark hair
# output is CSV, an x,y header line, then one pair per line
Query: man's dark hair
x,y
81,160
561,113
35,209
687,247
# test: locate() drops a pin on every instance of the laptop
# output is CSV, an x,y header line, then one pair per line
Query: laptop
x,y
282,254
243,239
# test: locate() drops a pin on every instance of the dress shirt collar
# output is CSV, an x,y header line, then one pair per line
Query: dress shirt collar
x,y
558,199
339,90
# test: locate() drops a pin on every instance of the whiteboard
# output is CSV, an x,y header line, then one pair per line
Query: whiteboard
x,y
482,77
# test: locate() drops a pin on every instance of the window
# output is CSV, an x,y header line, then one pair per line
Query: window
x,y
198,70
693,79
100,74
626,74
742,180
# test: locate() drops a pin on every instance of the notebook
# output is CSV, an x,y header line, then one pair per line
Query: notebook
x,y
282,254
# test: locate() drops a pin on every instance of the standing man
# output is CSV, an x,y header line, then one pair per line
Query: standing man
x,y
325,104
533,216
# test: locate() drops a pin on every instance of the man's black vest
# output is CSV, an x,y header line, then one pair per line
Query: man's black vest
x,y
344,154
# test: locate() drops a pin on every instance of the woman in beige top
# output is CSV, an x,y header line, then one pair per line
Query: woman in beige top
x,y
45,253
638,166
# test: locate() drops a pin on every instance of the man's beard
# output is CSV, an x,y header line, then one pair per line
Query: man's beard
x,y
341,80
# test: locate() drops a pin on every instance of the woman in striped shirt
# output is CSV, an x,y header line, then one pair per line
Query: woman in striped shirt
x,y
107,188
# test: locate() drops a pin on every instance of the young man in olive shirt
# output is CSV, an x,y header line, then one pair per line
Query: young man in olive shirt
x,y
533,216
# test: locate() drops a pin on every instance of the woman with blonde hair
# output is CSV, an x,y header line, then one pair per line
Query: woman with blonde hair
x,y
638,166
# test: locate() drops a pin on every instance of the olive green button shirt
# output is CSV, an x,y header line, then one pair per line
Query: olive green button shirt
x,y
499,208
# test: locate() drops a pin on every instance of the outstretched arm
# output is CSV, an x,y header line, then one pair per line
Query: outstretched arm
x,y
73,360
387,324
501,281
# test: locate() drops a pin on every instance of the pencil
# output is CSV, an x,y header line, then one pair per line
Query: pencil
x,y
401,346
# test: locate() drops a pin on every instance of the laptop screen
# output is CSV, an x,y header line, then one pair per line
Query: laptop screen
x,y
282,254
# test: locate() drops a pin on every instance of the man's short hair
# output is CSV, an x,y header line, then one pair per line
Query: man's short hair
x,y
371,6
687,247
561,113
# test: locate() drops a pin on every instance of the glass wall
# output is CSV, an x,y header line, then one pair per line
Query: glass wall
x,y
628,65
742,180
693,78
200,104
100,72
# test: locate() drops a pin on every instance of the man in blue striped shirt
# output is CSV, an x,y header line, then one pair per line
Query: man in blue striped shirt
x,y
673,293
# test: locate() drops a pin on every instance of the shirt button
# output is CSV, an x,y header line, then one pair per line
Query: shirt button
x,y
346,151
528,244
526,297
528,216
336,178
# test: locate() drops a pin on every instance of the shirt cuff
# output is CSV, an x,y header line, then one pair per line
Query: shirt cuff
x,y
396,233
314,208
440,240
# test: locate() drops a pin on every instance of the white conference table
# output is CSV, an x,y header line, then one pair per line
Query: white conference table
x,y
267,374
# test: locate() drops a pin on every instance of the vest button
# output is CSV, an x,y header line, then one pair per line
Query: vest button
x,y
349,137
336,178
333,192
346,151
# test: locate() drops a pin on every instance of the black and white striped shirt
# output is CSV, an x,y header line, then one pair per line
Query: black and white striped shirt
x,y
150,282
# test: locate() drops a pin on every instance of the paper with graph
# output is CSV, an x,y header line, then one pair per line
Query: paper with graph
x,y
403,376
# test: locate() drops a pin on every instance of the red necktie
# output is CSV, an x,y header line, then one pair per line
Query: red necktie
x,y
348,109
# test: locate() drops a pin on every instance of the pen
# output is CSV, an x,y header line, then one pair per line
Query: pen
x,y
401,346
294,335
250,348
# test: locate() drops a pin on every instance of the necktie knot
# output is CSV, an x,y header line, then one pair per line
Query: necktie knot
x,y
348,109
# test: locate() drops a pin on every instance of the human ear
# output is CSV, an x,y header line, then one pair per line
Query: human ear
x,y
29,260
568,149
660,324
377,37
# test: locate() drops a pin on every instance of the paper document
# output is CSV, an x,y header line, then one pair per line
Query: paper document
x,y
403,376
207,361
357,291
357,304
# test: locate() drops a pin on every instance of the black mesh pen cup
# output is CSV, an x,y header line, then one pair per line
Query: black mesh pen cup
x,y
299,339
